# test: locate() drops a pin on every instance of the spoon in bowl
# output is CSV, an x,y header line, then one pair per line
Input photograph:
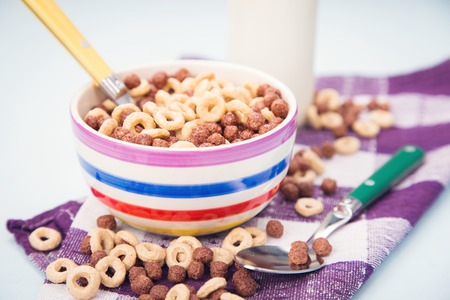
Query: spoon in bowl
x,y
274,259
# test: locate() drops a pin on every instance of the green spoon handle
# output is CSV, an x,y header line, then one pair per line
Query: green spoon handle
x,y
402,163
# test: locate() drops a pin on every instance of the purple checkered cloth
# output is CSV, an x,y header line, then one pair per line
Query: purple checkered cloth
x,y
420,103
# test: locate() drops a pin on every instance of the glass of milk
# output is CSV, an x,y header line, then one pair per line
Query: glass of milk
x,y
277,37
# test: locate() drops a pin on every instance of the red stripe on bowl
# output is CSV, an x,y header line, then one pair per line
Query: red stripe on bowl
x,y
184,215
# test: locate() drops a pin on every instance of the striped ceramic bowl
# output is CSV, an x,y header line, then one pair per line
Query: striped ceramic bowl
x,y
185,191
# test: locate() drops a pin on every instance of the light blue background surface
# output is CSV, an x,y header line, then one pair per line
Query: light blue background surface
x,y
38,165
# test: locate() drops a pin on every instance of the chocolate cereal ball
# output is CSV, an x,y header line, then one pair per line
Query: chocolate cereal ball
x,y
246,286
132,81
280,108
195,270
177,274
255,120
203,255
216,139
135,271
218,269
229,119
159,79
119,132
328,149
306,189
298,255
159,292
85,245
146,297
191,289
322,247
290,191
181,74
239,274
97,255
141,285
328,186
274,228
153,270
107,221
216,294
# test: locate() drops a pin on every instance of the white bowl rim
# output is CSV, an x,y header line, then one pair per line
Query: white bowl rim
x,y
287,96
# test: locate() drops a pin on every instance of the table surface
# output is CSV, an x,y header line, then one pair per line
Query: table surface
x,y
39,168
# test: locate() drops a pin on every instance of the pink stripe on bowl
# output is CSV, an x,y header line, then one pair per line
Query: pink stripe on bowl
x,y
163,157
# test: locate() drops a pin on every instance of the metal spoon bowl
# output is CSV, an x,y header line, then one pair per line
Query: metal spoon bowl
x,y
274,259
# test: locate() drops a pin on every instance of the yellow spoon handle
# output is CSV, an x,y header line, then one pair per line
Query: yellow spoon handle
x,y
68,35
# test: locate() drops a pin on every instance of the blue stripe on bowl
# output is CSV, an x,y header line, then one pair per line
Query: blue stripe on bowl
x,y
185,191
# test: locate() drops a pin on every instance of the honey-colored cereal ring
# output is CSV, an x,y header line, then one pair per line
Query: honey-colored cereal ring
x,y
108,127
150,108
193,242
267,114
204,75
259,236
308,207
45,239
187,112
312,115
182,144
180,254
240,109
138,118
188,84
53,270
170,120
202,87
157,133
252,87
109,104
331,119
236,93
101,239
128,252
211,107
83,292
255,101
96,112
223,255
174,85
237,239
384,119
347,145
230,296
151,252
186,131
178,292
109,231
162,98
115,263
329,96
120,108
93,231
142,89
222,83
181,98
304,176
210,286
367,129
316,162
193,102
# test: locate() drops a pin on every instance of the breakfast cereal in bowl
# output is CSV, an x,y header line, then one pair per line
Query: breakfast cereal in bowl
x,y
203,147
